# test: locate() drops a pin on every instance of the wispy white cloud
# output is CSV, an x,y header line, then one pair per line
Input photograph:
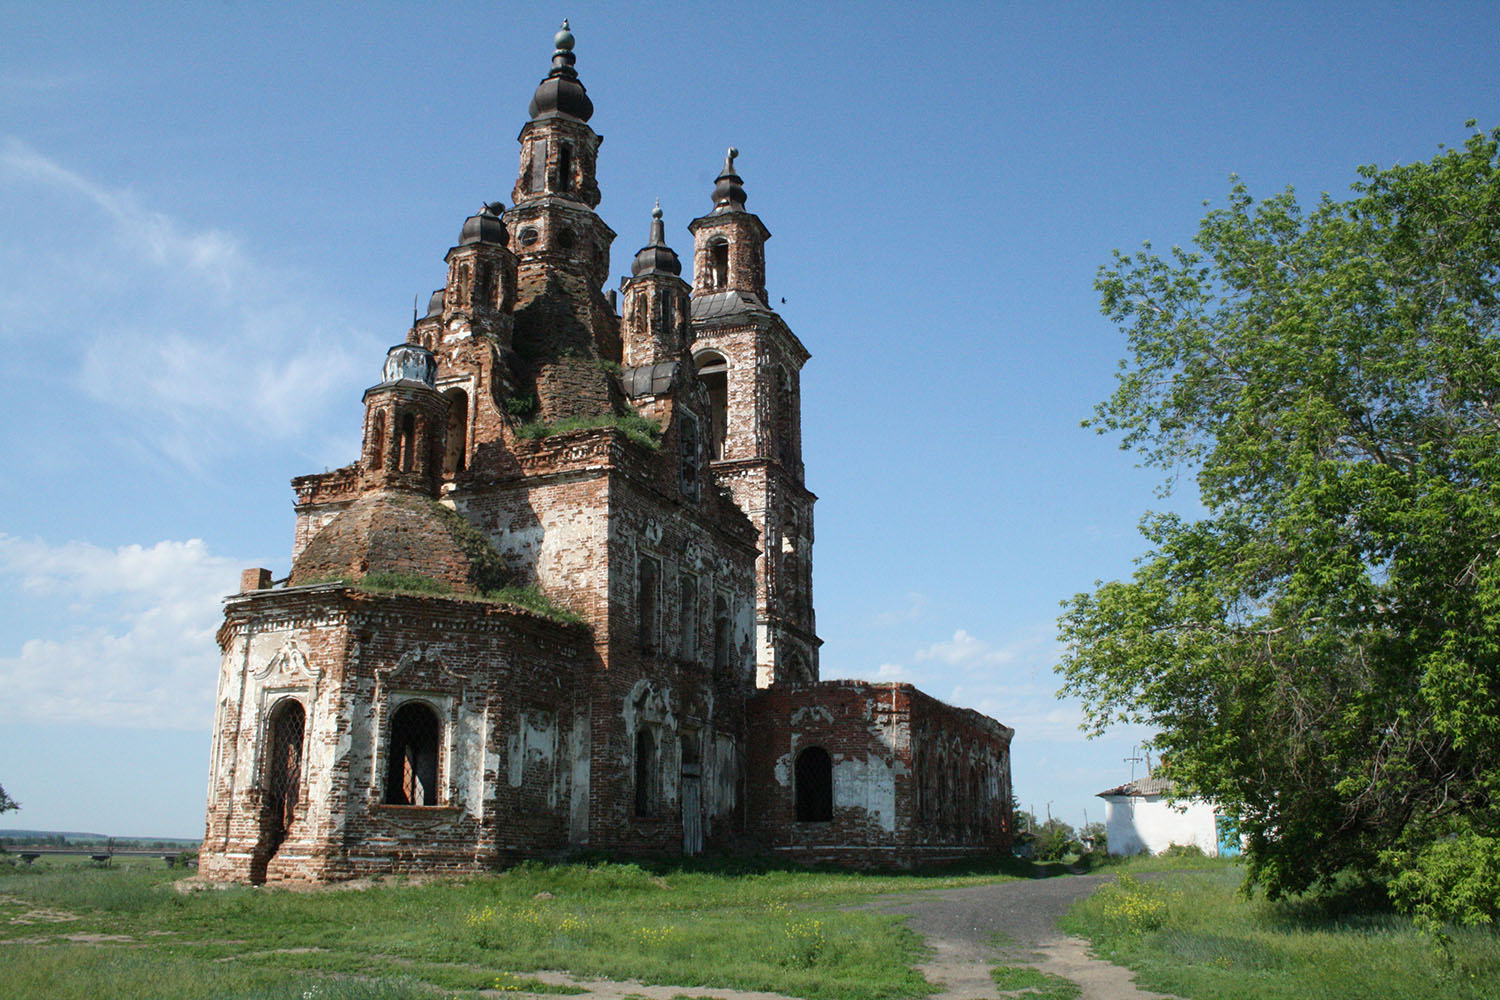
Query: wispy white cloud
x,y
138,647
914,609
176,325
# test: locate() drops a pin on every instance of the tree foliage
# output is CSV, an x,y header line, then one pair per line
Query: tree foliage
x,y
7,804
1320,649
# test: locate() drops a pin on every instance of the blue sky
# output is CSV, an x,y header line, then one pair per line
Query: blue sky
x,y
214,218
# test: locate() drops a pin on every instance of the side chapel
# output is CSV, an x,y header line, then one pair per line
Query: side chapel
x,y
633,460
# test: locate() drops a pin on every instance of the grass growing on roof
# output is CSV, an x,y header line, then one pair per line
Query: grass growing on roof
x,y
641,430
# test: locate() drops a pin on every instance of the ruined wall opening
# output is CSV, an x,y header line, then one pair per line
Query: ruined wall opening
x,y
718,262
283,778
537,179
814,786
648,588
412,770
455,445
713,371
647,774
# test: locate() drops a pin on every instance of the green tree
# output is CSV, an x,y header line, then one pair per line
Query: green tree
x,y
1320,649
1054,840
7,804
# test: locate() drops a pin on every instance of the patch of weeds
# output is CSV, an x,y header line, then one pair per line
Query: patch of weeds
x,y
410,583
533,599
507,982
521,406
611,367
637,428
1034,984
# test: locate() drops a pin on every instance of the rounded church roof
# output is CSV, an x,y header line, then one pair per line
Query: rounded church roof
x,y
560,91
656,255
388,532
484,226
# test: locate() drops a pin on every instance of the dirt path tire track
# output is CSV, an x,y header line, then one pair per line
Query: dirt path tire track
x,y
962,925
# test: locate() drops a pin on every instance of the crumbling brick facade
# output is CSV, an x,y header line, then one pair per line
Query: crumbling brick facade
x,y
390,707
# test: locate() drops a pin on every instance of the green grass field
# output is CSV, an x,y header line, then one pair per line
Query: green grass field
x,y
1193,936
70,930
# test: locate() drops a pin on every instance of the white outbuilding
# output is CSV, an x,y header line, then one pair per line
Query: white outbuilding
x,y
1143,817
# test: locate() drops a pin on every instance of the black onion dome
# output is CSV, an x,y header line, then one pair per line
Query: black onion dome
x,y
435,304
728,188
656,255
485,226
561,92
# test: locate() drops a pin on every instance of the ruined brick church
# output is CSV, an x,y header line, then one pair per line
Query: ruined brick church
x,y
563,599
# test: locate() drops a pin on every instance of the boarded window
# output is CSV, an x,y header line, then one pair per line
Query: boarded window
x,y
283,768
412,769
647,774
814,779
648,589
538,179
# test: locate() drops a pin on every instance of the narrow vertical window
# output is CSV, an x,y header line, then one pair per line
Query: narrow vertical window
x,y
564,167
718,263
283,768
721,634
458,426
377,441
412,768
647,773
406,455
688,446
713,371
648,584
688,615
814,781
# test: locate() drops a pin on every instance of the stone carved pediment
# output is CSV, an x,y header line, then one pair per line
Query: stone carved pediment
x,y
288,666
812,713
419,659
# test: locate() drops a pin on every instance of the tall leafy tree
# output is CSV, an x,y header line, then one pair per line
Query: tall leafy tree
x,y
7,803
1320,649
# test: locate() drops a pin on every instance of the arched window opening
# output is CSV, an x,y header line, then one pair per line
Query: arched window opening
x,y
463,286
687,440
564,167
377,441
647,774
648,585
721,634
412,769
814,780
458,426
718,263
407,445
283,780
713,370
